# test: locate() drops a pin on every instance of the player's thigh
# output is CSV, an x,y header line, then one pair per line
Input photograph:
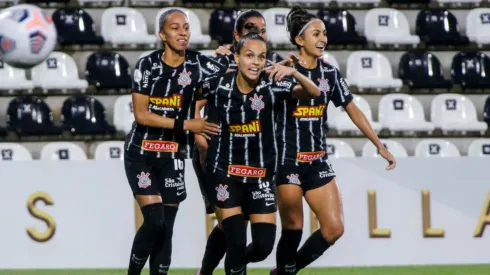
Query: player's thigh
x,y
290,197
260,201
171,181
141,178
224,194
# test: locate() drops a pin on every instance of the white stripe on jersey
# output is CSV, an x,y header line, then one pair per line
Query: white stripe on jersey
x,y
220,125
284,132
230,155
323,139
312,103
142,151
164,114
274,131
338,87
246,139
200,69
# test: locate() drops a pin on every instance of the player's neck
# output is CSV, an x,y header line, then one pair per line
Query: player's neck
x,y
310,60
245,85
173,58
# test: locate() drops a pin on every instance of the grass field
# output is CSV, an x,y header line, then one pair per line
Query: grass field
x,y
406,270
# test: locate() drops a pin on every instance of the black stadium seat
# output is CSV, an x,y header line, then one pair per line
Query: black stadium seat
x,y
221,25
420,69
75,26
341,27
31,116
84,115
3,132
108,70
471,70
486,111
408,2
439,27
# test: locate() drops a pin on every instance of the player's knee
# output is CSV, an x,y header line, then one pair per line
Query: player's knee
x,y
153,215
333,231
292,220
235,231
263,239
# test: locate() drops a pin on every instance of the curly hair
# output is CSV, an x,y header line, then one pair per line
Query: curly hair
x,y
297,18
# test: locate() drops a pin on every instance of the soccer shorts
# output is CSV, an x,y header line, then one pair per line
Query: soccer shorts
x,y
148,175
201,179
307,176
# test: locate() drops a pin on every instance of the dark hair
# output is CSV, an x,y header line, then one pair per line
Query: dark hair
x,y
243,17
253,34
165,14
297,18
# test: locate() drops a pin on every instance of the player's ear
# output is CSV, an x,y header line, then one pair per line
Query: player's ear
x,y
162,36
236,58
300,40
236,35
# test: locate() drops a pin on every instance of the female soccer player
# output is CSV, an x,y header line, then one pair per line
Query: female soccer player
x,y
241,161
303,166
164,92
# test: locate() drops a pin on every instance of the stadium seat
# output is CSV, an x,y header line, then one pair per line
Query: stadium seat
x,y
110,150
85,115
98,2
307,2
13,78
439,27
58,71
478,26
395,148
486,111
150,2
30,116
197,37
340,120
123,113
75,26
402,112
14,152
275,19
108,70
422,70
408,1
123,25
471,70
145,53
479,148
210,53
7,2
222,25
454,112
330,59
368,69
458,2
62,151
341,26
337,148
358,2
436,148
388,26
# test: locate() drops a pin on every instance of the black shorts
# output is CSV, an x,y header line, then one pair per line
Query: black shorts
x,y
201,179
148,175
307,176
254,198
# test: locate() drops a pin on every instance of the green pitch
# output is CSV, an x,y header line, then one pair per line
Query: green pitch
x,y
406,270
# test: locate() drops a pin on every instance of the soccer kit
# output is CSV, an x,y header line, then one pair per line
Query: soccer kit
x,y
154,156
301,130
241,161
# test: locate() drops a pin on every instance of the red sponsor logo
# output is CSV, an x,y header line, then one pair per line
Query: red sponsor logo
x,y
309,156
246,171
160,146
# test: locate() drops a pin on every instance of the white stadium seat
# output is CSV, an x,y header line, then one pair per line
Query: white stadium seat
x,y
13,152
109,150
307,2
478,25
369,69
340,120
104,2
275,20
62,151
197,37
151,2
58,71
388,26
454,112
123,25
337,148
123,113
145,53
395,148
13,78
402,112
436,148
479,148
458,2
13,2
358,2
330,59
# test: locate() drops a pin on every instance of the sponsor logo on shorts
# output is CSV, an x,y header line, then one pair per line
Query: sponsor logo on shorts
x,y
308,113
167,103
222,193
294,179
144,180
309,156
177,182
160,146
264,193
246,171
245,130
326,174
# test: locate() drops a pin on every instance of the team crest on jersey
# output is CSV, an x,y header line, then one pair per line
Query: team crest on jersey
x,y
257,103
184,79
294,179
144,180
324,86
222,192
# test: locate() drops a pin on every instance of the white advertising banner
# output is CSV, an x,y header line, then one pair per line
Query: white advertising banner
x,y
81,214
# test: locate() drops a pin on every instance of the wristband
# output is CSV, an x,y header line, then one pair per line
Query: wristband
x,y
179,126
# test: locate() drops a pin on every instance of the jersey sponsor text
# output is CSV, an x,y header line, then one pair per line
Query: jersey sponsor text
x,y
160,146
309,156
246,129
309,112
246,171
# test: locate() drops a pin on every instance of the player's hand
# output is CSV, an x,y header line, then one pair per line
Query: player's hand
x,y
277,72
292,60
387,156
224,50
202,127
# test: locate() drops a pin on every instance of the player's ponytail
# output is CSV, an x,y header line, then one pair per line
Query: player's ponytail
x,y
298,20
252,34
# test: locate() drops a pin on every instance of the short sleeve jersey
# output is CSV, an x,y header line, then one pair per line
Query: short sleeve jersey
x,y
301,124
246,149
172,92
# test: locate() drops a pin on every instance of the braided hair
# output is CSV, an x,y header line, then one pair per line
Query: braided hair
x,y
297,18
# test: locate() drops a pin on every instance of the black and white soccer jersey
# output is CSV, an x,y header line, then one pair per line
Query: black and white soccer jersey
x,y
172,92
229,60
301,124
246,149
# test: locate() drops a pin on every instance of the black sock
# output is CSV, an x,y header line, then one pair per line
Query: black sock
x,y
313,248
286,251
215,251
263,239
236,236
161,255
146,237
